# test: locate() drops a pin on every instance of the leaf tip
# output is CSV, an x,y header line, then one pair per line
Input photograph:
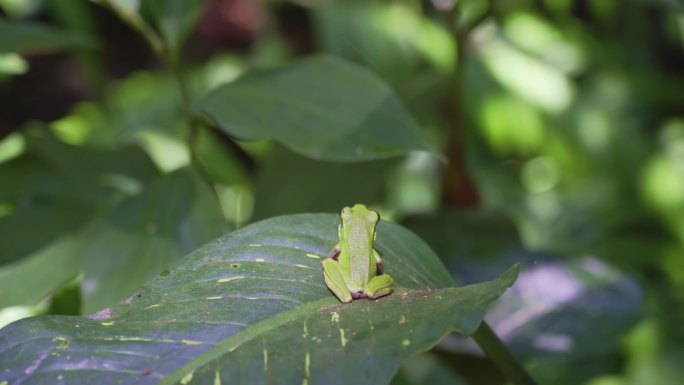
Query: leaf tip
x,y
511,275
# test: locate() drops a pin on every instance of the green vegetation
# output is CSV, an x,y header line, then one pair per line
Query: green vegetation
x,y
164,165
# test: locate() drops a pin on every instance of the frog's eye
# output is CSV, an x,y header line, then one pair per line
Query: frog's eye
x,y
345,213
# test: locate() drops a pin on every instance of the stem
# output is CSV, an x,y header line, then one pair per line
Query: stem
x,y
172,61
137,23
458,187
499,354
171,57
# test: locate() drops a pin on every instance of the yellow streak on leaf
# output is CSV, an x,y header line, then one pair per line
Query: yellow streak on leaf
x,y
307,364
187,378
343,339
222,280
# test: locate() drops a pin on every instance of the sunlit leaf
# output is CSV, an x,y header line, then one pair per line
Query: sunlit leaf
x,y
252,307
12,64
587,296
391,38
558,306
218,159
11,146
123,6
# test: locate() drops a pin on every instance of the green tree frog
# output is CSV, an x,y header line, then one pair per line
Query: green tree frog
x,y
354,268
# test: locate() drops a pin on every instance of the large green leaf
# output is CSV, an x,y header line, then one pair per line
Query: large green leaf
x,y
321,107
553,326
146,234
251,307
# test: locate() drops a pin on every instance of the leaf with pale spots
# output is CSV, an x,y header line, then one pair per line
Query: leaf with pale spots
x,y
252,307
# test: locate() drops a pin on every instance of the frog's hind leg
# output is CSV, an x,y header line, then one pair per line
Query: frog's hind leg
x,y
379,286
334,279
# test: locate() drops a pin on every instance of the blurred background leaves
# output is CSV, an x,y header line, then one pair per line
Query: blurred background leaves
x,y
556,128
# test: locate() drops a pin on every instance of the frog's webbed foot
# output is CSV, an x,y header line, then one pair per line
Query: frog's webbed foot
x,y
378,286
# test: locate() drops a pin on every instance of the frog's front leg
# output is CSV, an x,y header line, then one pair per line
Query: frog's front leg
x,y
378,286
378,263
335,252
334,279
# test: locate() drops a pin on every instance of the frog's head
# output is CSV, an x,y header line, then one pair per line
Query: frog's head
x,y
358,217
359,211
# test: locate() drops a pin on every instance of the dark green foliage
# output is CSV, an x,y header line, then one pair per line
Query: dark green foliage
x,y
138,138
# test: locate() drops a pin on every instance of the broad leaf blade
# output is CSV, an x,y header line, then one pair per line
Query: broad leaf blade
x,y
252,287
321,107
331,343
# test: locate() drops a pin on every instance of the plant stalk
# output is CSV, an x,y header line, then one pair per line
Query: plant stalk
x,y
501,356
172,61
